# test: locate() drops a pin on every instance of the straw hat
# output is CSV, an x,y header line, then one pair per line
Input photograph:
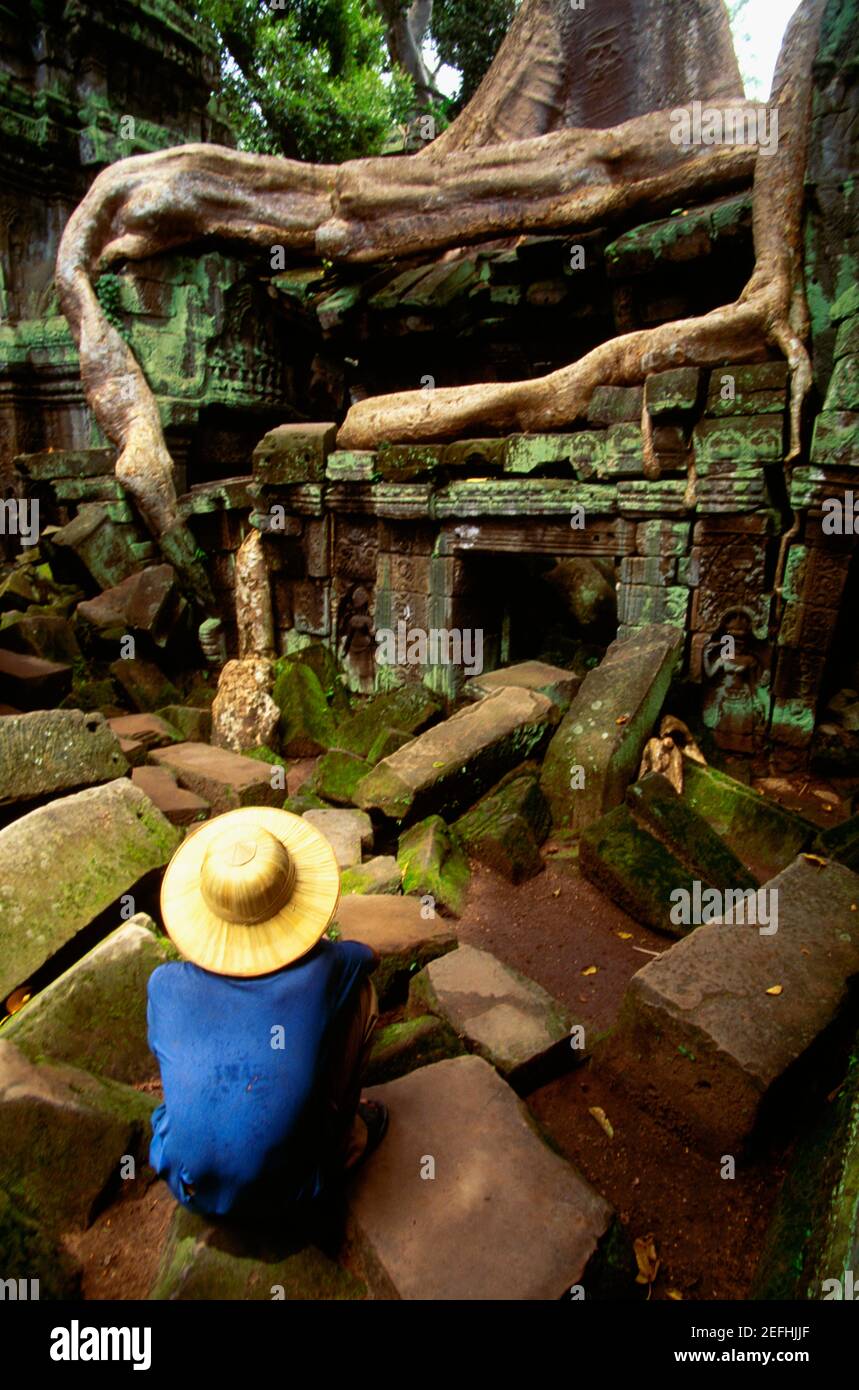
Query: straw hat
x,y
250,891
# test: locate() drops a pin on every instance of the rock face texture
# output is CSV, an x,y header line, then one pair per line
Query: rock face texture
x,y
405,933
715,1023
223,778
56,750
62,865
435,1207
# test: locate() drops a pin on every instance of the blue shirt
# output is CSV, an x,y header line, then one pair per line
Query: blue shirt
x,y
240,1062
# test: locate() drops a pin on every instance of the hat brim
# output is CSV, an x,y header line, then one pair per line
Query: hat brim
x,y
228,948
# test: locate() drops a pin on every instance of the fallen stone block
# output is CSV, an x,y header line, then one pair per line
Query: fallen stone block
x,y
664,814
604,731
405,933
104,547
207,1262
380,875
446,767
499,1013
336,776
145,685
294,453
148,601
63,1134
152,730
31,683
53,639
223,778
634,870
306,721
409,710
469,1233
56,750
180,806
554,682
387,741
65,863
193,725
507,826
94,1015
134,752
764,835
402,1047
347,832
31,1255
433,864
724,1023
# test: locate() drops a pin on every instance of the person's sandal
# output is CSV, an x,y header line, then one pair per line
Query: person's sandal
x,y
375,1117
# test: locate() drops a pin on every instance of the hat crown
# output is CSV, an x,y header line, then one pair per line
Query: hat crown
x,y
247,876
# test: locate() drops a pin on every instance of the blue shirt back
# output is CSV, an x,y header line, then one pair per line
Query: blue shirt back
x,y
241,1061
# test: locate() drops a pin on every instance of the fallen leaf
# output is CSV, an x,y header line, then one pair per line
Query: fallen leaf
x,y
602,1119
590,970
805,951
625,935
646,1259
556,892
622,719
774,989
815,859
675,1294
438,764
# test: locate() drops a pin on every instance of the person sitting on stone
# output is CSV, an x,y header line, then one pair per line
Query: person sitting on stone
x,y
263,1031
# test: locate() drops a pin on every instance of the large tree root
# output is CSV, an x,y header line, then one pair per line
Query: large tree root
x,y
375,209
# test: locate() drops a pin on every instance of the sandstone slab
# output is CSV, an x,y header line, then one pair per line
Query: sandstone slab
x,y
152,730
408,710
605,729
500,1014
223,778
244,715
507,826
405,933
445,768
711,1045
381,874
434,865
765,836
32,683
347,832
94,1015
553,681
402,1047
65,863
56,750
501,1217
180,806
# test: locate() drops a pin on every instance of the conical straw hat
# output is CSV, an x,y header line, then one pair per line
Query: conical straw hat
x,y
250,891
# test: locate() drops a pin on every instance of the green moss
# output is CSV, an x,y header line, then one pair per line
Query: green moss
x,y
336,777
433,862
402,1047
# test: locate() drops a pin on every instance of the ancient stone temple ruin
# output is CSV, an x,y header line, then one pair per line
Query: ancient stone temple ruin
x,y
497,480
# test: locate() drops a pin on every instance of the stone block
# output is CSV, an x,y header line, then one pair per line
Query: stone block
x,y
426,1244
226,780
152,730
381,874
180,806
607,725
764,836
753,440
347,832
433,865
507,826
31,683
445,767
405,933
402,1047
93,1016
294,453
50,751
145,685
65,863
672,393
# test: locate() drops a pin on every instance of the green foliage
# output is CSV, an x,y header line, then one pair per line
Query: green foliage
x,y
467,35
309,79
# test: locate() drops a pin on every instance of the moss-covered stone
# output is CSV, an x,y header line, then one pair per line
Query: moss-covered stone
x,y
841,842
94,1015
408,709
507,826
306,724
305,800
387,741
379,875
658,808
764,836
414,1042
144,683
193,724
674,392
337,775
633,869
30,1254
63,1135
321,661
432,860
225,1262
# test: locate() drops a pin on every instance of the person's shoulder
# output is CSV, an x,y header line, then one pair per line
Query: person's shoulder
x,y
352,952
170,977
